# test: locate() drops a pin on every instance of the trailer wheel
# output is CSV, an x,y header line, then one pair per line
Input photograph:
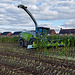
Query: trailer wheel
x,y
21,43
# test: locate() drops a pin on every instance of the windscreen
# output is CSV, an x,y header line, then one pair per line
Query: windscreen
x,y
41,31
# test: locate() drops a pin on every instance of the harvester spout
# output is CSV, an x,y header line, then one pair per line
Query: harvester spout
x,y
21,6
28,12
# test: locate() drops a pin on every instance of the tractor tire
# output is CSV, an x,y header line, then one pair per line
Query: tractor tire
x,y
21,43
32,40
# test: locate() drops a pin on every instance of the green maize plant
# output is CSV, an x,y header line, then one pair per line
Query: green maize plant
x,y
9,39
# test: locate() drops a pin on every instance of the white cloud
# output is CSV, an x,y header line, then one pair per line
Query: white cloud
x,y
42,10
69,24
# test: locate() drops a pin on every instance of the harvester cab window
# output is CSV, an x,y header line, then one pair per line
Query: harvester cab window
x,y
45,31
38,31
41,31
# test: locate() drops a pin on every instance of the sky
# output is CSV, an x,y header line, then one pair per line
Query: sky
x,y
54,14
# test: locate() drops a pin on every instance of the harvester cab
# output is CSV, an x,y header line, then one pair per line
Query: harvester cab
x,y
41,31
27,38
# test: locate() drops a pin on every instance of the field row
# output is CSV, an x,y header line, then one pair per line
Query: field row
x,y
65,39
9,47
47,59
9,70
20,61
36,66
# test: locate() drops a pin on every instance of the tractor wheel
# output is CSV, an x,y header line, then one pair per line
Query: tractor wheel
x,y
21,43
32,40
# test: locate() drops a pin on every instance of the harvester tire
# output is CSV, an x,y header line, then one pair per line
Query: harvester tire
x,y
21,43
32,40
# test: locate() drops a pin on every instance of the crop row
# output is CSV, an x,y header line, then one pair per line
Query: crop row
x,y
33,62
22,53
9,39
66,39
47,59
36,66
67,52
8,70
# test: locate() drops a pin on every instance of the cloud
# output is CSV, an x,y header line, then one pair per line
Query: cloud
x,y
42,10
69,24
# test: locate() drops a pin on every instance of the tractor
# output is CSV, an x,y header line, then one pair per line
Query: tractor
x,y
27,38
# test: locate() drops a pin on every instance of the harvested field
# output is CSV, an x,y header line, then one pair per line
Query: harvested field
x,y
20,61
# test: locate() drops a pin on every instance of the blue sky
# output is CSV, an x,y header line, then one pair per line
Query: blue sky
x,y
54,14
55,23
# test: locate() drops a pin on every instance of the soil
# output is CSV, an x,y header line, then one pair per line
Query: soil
x,y
20,61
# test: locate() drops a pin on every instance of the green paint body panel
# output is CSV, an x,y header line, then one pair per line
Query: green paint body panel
x,y
26,36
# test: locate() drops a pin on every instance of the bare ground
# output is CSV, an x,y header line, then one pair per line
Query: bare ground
x,y
20,61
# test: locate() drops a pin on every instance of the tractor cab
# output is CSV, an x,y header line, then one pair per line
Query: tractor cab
x,y
41,31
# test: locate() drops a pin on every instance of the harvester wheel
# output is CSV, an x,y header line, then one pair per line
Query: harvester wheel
x,y
32,40
21,43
